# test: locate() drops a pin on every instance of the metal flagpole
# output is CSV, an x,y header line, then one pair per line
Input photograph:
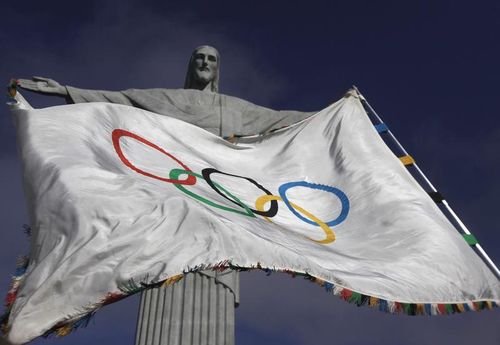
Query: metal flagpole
x,y
470,238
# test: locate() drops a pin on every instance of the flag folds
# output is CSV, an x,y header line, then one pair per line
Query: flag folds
x,y
121,199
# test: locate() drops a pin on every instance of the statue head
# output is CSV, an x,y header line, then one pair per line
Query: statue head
x,y
203,69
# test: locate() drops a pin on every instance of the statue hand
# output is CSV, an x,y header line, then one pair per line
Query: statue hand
x,y
43,85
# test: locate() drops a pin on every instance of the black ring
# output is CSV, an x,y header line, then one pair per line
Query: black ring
x,y
273,209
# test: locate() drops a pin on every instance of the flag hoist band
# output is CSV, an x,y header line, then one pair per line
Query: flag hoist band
x,y
123,200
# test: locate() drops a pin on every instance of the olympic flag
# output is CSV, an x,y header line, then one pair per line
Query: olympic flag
x,y
121,199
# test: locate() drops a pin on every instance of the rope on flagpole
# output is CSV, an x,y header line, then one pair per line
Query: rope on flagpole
x,y
385,129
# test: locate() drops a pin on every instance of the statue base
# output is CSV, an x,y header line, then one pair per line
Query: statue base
x,y
196,310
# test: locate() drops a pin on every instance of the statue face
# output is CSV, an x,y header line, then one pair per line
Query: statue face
x,y
205,64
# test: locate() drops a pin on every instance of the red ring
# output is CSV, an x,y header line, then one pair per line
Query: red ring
x,y
118,133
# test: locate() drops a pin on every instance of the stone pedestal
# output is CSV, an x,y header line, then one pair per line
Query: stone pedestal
x,y
196,310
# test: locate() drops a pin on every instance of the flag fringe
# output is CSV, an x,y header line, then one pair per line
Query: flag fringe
x,y
132,286
21,266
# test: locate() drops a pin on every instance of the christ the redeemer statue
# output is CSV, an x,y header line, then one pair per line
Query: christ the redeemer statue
x,y
198,309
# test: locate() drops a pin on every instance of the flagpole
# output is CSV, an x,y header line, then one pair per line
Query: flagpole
x,y
478,247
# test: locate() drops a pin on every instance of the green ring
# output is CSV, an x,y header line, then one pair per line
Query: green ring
x,y
175,173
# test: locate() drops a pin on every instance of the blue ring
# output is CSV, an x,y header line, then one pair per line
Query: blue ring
x,y
338,193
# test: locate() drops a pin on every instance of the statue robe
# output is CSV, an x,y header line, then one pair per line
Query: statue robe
x,y
217,113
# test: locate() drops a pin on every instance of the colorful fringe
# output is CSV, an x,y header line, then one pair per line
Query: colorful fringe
x,y
21,266
131,287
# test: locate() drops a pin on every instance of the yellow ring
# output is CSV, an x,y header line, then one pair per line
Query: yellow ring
x,y
330,235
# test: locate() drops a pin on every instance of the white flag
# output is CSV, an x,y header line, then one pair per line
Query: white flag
x,y
120,198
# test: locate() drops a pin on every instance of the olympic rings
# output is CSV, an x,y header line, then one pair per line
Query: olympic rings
x,y
206,173
330,235
174,174
343,199
118,133
269,213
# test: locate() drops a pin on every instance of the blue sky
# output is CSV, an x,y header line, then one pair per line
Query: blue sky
x,y
430,69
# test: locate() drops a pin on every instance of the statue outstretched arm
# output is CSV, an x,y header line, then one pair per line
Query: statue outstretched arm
x,y
259,120
77,95
49,86
220,114
44,86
